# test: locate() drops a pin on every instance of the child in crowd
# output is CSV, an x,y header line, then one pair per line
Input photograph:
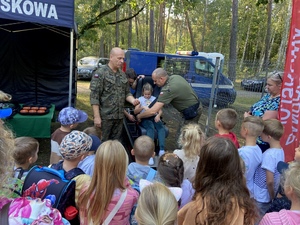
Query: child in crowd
x,y
221,195
143,150
20,210
292,191
191,140
267,177
281,200
69,118
25,154
170,172
225,121
150,124
73,148
93,131
88,163
107,188
251,154
156,206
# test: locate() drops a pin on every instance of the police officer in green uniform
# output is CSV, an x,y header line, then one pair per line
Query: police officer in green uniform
x,y
176,91
109,90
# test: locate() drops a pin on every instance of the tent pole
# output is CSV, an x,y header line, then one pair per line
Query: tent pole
x,y
71,67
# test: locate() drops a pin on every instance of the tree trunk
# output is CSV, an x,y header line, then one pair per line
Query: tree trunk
x,y
246,41
233,41
283,43
101,48
268,35
161,29
129,43
136,29
190,30
204,27
117,28
147,25
151,31
167,26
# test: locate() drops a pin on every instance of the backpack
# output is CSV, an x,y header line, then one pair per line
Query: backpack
x,y
27,211
149,177
48,183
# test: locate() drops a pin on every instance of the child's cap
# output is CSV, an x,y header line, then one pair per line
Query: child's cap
x,y
96,142
5,113
70,115
75,144
282,166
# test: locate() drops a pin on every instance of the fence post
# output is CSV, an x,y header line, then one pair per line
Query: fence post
x,y
212,94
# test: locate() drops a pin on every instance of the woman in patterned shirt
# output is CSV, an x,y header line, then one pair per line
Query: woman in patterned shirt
x,y
267,106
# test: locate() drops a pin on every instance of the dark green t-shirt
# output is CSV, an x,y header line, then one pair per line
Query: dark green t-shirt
x,y
178,92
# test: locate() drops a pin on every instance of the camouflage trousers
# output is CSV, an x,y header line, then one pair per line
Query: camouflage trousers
x,y
111,129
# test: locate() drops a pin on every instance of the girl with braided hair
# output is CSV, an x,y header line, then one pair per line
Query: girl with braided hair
x,y
170,171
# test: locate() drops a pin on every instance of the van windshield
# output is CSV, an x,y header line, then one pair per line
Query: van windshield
x,y
176,66
204,68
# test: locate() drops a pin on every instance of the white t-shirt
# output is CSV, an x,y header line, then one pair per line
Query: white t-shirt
x,y
270,159
146,102
252,157
190,165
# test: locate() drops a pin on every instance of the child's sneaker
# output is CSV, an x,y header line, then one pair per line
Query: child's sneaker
x,y
161,152
151,161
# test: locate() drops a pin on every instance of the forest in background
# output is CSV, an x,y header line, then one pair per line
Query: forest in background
x,y
252,35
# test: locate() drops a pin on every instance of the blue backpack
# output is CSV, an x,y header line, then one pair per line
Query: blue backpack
x,y
149,177
48,183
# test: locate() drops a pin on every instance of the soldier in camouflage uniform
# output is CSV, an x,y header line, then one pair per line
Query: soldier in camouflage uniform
x,y
109,90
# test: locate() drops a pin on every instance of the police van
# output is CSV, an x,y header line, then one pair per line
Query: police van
x,y
196,69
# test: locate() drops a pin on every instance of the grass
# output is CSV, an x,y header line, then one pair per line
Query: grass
x,y
242,103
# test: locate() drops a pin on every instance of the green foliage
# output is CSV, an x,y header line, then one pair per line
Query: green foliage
x,y
217,25
265,2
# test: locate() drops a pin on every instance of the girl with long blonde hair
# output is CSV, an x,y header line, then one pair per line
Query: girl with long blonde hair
x,y
99,198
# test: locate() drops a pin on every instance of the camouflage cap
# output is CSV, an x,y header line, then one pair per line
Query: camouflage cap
x,y
75,144
70,115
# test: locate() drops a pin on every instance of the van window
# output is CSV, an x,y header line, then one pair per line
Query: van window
x,y
204,68
176,66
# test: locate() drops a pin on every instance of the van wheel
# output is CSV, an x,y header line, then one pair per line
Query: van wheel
x,y
222,100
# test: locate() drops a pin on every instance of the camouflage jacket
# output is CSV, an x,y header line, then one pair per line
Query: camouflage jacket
x,y
109,90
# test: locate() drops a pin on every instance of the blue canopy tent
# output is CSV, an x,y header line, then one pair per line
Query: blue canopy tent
x,y
38,51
